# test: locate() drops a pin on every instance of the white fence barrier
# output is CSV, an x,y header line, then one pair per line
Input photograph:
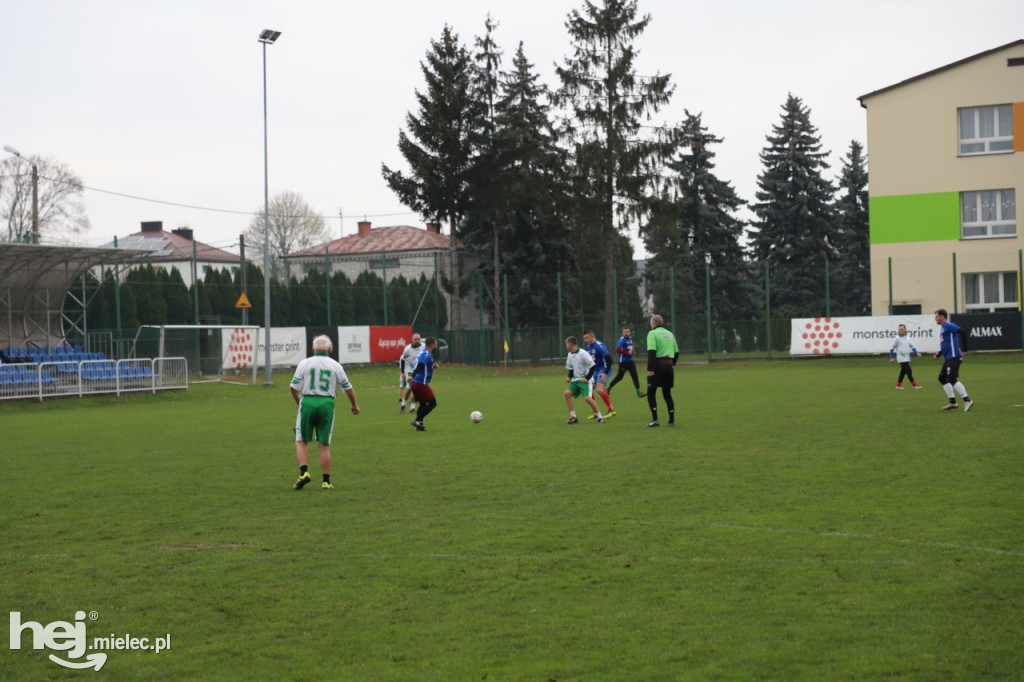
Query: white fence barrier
x,y
91,377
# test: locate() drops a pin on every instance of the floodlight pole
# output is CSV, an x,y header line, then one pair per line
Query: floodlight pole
x,y
35,192
267,37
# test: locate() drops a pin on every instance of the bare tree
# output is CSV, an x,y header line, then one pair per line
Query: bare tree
x,y
293,226
61,213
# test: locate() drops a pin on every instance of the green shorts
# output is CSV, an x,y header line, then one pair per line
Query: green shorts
x,y
316,413
581,388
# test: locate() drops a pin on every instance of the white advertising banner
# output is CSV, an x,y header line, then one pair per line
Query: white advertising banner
x,y
244,347
287,346
353,345
837,335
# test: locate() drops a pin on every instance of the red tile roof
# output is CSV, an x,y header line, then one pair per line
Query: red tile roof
x,y
398,238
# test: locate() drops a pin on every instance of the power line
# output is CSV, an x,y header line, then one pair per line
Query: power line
x,y
223,210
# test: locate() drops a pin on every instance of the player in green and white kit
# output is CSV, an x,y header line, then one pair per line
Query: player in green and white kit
x,y
314,388
580,378
406,364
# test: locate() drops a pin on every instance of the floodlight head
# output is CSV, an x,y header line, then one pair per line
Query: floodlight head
x,y
269,36
8,148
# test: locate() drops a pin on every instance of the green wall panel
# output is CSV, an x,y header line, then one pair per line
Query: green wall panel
x,y
915,218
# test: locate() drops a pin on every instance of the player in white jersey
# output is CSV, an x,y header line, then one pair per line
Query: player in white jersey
x,y
314,388
580,379
900,352
406,364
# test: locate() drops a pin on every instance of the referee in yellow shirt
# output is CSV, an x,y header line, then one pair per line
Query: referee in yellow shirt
x,y
662,353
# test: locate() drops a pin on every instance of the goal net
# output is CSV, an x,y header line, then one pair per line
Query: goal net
x,y
215,352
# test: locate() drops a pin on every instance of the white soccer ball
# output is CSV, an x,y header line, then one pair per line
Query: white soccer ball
x,y
476,416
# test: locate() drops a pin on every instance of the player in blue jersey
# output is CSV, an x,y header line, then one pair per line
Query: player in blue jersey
x,y
953,348
603,361
627,362
420,383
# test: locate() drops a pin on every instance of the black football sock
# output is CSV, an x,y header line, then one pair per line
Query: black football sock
x,y
302,470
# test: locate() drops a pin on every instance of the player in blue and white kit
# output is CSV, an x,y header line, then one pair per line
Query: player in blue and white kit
x,y
420,383
952,347
603,361
627,363
901,351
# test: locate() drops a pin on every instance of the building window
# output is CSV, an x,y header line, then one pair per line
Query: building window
x,y
989,213
990,291
382,264
986,130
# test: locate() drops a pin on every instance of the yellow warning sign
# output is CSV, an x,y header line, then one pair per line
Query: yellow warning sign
x,y
243,301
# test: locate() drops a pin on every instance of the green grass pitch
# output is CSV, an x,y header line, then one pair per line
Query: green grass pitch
x,y
804,522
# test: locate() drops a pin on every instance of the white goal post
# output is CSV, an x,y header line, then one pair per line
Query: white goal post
x,y
212,350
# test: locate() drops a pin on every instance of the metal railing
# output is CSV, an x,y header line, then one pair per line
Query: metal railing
x,y
53,379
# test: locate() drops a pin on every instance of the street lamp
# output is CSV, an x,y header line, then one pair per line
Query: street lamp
x,y
267,37
35,192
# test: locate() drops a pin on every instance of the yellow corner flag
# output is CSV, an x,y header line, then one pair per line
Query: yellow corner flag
x,y
506,348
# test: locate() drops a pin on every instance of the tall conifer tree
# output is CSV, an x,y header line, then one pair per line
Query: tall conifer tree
x,y
607,102
695,225
439,147
793,229
853,270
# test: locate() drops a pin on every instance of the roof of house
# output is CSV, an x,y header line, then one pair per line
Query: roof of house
x,y
933,72
164,247
393,239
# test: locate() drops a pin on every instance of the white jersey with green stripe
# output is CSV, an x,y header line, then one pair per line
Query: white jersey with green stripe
x,y
580,363
320,375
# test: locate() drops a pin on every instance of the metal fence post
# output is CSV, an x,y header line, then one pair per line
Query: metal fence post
x,y
890,285
195,301
828,297
327,274
707,305
384,270
504,288
437,297
615,303
672,296
560,337
480,309
117,302
954,284
768,306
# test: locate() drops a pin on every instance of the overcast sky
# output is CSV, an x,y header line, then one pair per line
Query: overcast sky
x,y
164,100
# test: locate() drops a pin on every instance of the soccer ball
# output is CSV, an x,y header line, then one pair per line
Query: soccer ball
x,y
476,416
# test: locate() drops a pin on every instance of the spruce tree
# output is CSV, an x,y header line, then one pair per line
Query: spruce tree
x,y
695,226
794,213
439,146
607,102
483,228
536,244
852,273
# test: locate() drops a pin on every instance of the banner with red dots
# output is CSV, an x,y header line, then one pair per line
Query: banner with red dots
x,y
860,335
241,347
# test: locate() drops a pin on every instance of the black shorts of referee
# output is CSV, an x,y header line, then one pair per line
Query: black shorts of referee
x,y
664,374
